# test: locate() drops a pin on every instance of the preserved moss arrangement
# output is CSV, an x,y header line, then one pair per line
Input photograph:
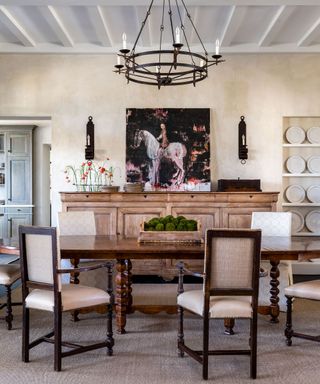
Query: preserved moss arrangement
x,y
170,223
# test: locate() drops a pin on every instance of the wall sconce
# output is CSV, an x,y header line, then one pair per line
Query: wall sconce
x,y
89,148
243,148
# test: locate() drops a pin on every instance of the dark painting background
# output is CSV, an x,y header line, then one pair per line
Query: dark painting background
x,y
190,127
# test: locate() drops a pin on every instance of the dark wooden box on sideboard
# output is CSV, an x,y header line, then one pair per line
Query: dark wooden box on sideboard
x,y
238,185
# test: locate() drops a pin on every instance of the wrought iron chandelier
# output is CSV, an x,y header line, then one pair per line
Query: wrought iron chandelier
x,y
167,67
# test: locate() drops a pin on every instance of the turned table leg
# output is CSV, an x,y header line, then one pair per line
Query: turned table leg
x,y
274,291
121,296
74,279
228,325
129,285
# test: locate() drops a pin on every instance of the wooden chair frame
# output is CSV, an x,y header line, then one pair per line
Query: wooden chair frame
x,y
202,355
56,333
289,332
9,304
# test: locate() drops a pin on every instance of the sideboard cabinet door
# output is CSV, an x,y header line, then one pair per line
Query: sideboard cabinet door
x,y
240,217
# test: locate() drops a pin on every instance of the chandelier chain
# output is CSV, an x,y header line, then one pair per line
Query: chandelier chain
x,y
194,27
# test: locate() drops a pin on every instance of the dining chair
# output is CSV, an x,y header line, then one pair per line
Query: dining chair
x,y
42,289
230,290
9,274
309,290
273,224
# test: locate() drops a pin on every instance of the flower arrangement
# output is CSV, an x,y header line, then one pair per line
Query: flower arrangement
x,y
90,176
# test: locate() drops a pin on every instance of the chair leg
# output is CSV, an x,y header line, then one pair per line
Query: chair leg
x,y
110,339
57,340
205,356
25,334
253,347
180,330
288,331
9,316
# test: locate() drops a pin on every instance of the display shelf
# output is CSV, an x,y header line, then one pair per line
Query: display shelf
x,y
306,145
301,175
305,234
306,179
301,204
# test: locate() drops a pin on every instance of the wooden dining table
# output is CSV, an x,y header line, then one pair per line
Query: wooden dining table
x,y
123,250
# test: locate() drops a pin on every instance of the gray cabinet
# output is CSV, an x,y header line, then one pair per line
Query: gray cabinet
x,y
15,179
14,218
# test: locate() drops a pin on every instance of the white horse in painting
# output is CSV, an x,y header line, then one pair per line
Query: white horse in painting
x,y
174,152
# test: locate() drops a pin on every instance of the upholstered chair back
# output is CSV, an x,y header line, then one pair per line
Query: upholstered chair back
x,y
76,223
232,259
272,223
39,256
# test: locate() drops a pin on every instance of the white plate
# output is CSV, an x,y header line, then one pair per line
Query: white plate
x,y
313,221
297,222
295,135
313,164
295,193
295,164
313,193
313,135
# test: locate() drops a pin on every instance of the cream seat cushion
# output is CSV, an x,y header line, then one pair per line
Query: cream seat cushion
x,y
220,306
306,290
73,296
9,273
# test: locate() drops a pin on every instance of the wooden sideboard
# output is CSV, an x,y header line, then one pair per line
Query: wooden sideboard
x,y
122,213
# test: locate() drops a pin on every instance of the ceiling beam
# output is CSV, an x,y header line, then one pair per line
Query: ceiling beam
x,y
277,22
17,29
234,21
100,26
310,35
147,2
57,25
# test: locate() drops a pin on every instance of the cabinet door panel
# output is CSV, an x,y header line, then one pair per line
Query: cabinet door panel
x,y
13,224
208,217
239,217
19,181
130,219
19,144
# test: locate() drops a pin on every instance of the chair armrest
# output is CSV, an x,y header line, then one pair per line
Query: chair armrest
x,y
182,271
263,273
183,268
85,269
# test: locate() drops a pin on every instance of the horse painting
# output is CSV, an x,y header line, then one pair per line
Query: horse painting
x,y
174,152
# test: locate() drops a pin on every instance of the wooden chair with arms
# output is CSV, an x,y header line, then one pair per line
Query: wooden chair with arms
x,y
40,272
9,274
230,290
309,290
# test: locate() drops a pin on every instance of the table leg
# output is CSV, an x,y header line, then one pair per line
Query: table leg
x,y
121,296
129,285
274,291
228,326
74,279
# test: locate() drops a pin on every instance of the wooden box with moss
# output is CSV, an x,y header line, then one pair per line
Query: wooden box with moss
x,y
170,229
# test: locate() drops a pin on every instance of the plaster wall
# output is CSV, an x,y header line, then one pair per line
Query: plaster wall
x,y
69,88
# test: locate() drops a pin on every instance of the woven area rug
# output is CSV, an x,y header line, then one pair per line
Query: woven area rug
x,y
147,353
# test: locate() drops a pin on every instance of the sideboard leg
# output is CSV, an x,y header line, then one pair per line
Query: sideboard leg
x,y
274,291
121,296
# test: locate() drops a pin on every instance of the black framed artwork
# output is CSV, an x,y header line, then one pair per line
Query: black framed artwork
x,y
168,148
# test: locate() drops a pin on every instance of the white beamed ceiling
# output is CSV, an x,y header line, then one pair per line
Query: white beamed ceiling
x,y
88,26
